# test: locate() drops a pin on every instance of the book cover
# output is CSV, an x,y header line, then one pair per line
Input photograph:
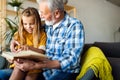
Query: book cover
x,y
24,54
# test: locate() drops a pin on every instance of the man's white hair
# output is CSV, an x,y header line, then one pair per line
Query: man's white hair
x,y
54,4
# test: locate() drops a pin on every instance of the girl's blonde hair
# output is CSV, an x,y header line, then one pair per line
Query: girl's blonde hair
x,y
36,31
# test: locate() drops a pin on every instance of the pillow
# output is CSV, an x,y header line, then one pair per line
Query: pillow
x,y
89,75
95,59
110,49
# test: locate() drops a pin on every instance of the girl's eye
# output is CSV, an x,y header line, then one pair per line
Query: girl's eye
x,y
24,24
31,23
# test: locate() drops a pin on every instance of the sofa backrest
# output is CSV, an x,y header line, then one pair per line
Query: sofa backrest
x,y
110,49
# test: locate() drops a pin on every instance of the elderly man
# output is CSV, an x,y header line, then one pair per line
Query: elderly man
x,y
65,41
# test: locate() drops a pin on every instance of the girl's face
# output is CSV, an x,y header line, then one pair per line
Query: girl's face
x,y
28,23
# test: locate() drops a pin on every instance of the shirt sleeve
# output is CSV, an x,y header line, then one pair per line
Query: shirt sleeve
x,y
73,47
42,42
16,36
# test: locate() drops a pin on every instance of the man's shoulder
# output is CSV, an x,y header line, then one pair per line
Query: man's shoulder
x,y
72,20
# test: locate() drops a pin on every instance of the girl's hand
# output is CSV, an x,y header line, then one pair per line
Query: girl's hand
x,y
13,45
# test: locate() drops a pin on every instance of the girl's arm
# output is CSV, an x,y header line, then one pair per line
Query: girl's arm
x,y
26,47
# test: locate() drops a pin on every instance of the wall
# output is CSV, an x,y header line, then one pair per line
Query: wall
x,y
100,19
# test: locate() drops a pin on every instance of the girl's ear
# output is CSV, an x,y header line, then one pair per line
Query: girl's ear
x,y
57,13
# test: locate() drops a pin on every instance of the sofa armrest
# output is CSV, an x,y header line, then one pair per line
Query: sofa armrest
x,y
4,63
115,63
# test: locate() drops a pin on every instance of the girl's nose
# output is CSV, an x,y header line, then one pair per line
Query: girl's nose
x,y
29,26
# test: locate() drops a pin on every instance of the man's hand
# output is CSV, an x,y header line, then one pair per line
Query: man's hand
x,y
27,65
24,64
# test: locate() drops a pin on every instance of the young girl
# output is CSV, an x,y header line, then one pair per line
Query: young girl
x,y
30,36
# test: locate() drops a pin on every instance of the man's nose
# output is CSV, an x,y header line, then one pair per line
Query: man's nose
x,y
41,16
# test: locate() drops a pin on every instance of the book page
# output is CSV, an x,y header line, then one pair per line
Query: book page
x,y
29,54
8,55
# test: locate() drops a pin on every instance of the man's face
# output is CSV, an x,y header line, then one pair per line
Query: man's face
x,y
46,14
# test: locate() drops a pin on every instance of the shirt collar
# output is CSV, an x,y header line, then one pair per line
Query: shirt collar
x,y
56,25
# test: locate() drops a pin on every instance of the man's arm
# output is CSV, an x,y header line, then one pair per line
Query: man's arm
x,y
26,65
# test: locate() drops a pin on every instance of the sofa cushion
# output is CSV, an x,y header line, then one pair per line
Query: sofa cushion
x,y
110,49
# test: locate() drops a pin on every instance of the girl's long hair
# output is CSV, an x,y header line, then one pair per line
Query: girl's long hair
x,y
36,31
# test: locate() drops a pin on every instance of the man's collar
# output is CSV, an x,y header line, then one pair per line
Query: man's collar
x,y
56,25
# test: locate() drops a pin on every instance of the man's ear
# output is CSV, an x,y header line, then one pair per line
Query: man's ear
x,y
57,13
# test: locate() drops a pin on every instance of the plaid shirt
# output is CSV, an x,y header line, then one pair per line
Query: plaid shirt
x,y
65,44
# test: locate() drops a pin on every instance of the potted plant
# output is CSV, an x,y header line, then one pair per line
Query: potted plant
x,y
16,4
12,28
12,25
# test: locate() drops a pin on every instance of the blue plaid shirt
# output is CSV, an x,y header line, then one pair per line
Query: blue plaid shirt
x,y
65,44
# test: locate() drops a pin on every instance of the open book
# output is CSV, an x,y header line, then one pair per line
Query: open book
x,y
24,54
